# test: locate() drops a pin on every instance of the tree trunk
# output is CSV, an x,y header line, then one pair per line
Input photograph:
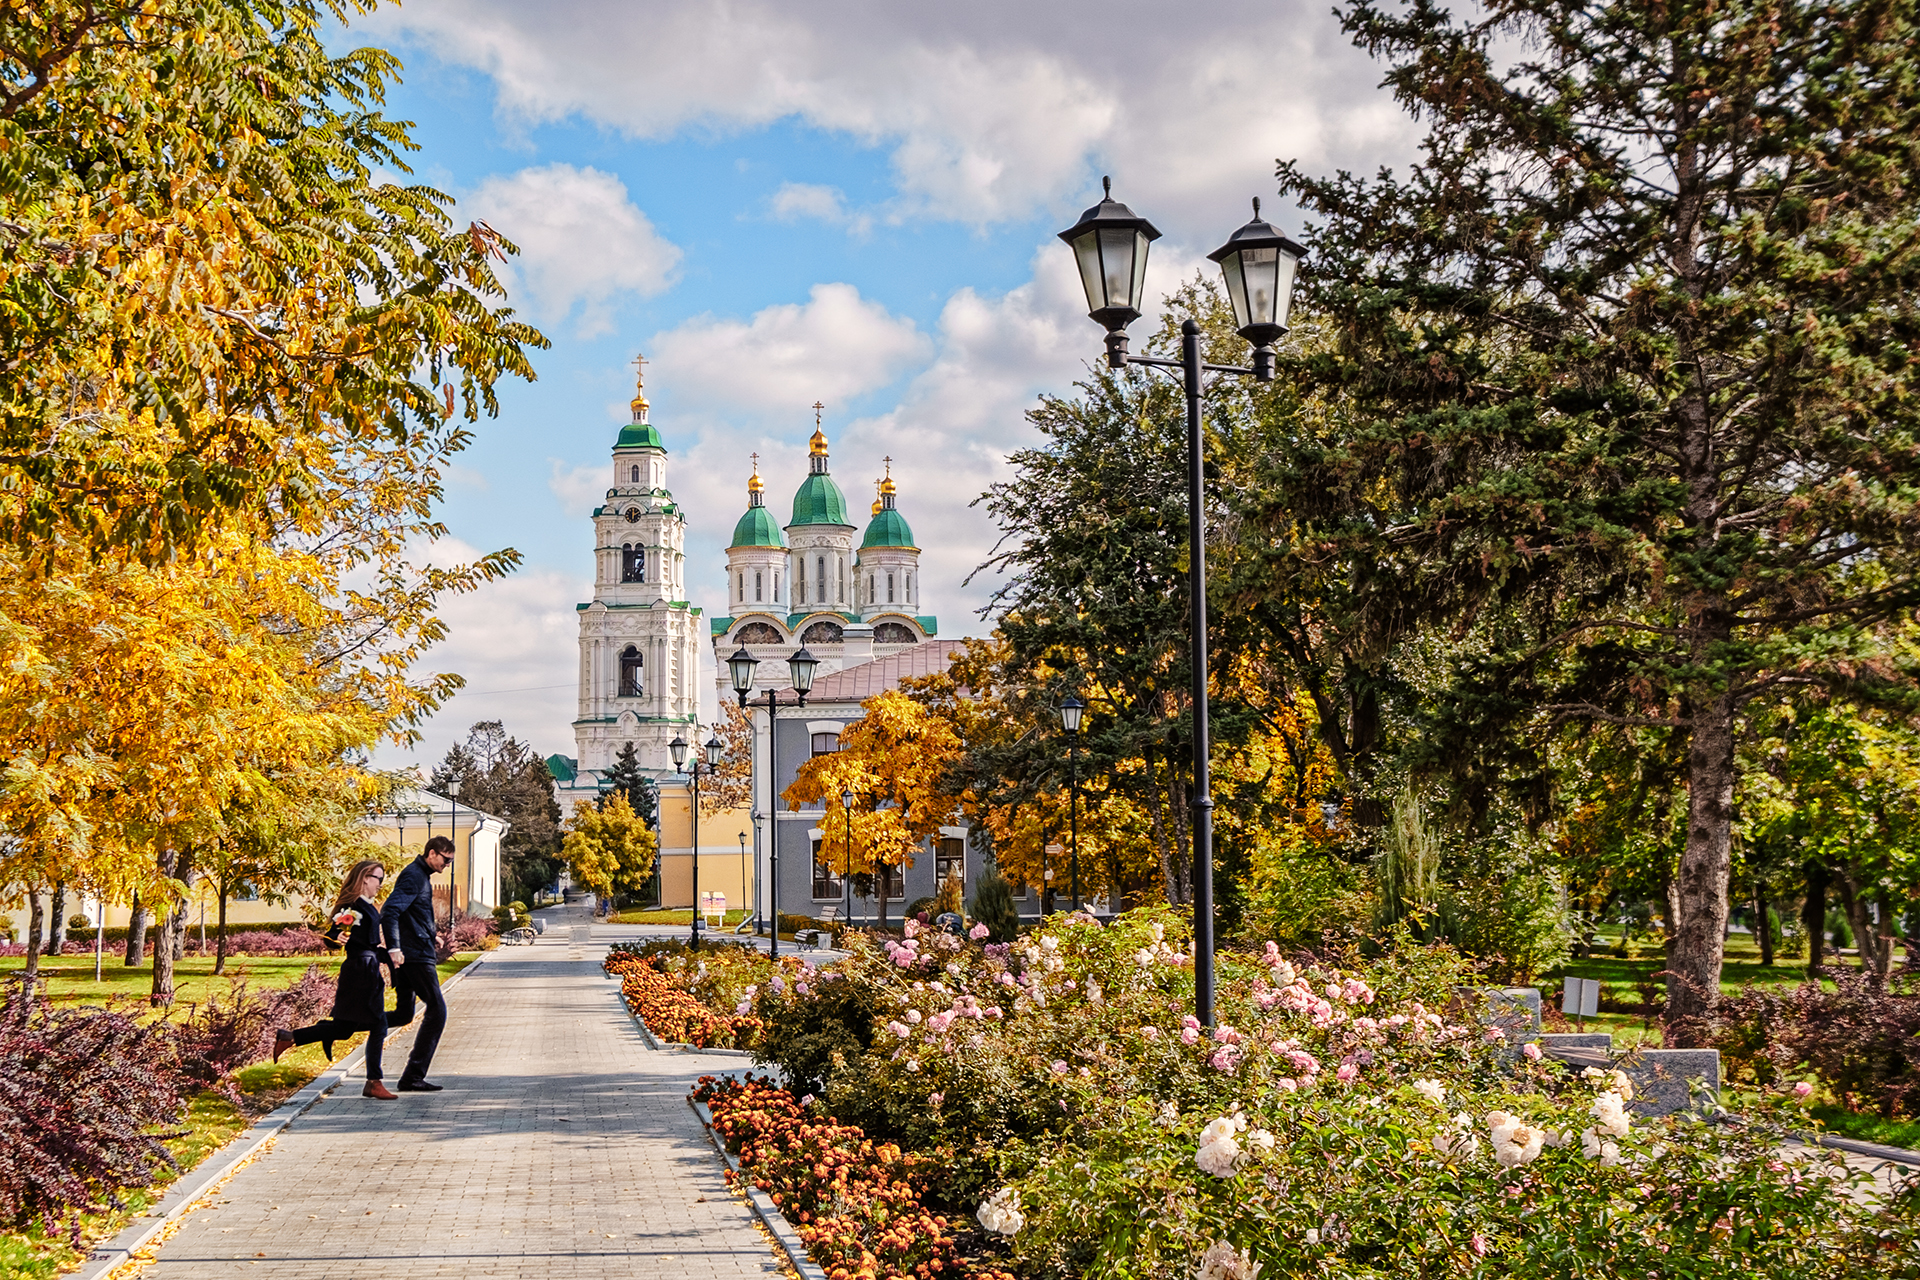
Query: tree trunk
x,y
36,918
1701,881
1813,917
1885,935
1763,926
137,918
57,913
220,947
178,864
1855,903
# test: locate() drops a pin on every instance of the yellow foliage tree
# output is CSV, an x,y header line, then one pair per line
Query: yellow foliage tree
x,y
609,847
894,760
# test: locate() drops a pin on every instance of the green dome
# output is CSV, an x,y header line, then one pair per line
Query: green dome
x,y
639,435
818,500
889,529
757,529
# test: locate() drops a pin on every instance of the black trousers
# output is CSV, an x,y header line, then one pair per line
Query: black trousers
x,y
341,1029
419,980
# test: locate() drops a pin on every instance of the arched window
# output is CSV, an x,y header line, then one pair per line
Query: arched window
x,y
821,633
636,475
869,588
776,586
800,583
633,563
757,576
894,633
840,583
743,587
758,633
909,588
889,588
630,672
820,578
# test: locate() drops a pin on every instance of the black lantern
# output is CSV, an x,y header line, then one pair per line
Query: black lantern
x,y
678,750
1259,264
740,667
715,749
801,667
1070,712
1110,246
846,799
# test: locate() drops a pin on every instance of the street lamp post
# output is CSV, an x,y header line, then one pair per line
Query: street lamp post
x,y
453,834
695,770
1259,264
743,871
1070,712
800,668
846,865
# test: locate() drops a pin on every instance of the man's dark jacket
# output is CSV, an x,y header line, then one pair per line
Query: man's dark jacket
x,y
407,917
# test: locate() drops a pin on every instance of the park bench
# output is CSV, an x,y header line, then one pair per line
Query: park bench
x,y
521,937
819,939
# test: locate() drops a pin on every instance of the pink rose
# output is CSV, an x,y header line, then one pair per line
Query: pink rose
x,y
1059,1068
1802,1090
1346,1073
978,932
1532,1051
1150,1032
1189,1035
1478,1244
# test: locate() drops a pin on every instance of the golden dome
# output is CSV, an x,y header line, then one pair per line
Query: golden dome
x,y
756,485
639,402
817,447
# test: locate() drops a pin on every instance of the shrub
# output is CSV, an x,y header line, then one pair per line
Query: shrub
x,y
299,940
225,1035
462,932
82,1096
1861,1040
993,906
79,920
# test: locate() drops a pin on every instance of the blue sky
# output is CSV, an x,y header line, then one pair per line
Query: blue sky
x,y
840,201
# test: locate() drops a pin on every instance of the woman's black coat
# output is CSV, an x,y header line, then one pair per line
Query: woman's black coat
x,y
361,994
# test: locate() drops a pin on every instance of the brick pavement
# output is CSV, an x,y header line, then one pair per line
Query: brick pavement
x,y
561,1148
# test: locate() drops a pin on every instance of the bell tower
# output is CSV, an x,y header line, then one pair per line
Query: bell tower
x,y
639,637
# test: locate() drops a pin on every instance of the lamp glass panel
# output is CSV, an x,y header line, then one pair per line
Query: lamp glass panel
x,y
741,666
1140,246
1086,253
800,666
678,750
1283,285
715,749
1117,267
1236,288
1260,267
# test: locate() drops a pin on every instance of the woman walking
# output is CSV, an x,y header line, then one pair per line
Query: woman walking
x,y
360,997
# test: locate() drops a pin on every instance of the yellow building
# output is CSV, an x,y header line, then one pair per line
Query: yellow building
x,y
726,852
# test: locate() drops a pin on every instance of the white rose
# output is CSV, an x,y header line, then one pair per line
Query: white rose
x,y
1000,1212
1432,1090
1222,1262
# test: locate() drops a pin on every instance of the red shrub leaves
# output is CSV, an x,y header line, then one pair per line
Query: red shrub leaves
x,y
857,1204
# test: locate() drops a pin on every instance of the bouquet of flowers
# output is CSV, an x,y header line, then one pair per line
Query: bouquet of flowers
x,y
347,919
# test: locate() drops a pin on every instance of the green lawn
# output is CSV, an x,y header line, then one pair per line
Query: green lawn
x,y
672,917
211,1120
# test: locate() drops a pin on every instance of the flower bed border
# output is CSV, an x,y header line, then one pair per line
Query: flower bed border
x,y
776,1221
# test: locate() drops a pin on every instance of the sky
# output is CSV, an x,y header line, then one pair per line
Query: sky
x,y
842,201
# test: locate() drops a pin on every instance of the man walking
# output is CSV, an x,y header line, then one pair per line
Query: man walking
x,y
407,919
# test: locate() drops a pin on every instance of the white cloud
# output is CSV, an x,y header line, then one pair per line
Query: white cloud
x,y
582,243
992,110
796,200
579,488
513,640
835,345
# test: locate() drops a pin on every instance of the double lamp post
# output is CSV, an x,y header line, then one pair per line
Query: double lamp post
x,y
800,668
695,770
1259,263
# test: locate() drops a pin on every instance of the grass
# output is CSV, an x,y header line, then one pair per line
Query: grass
x,y
69,979
672,917
1868,1127
211,1121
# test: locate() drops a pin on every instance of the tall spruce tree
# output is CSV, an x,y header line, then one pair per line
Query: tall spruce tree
x,y
1624,383
626,778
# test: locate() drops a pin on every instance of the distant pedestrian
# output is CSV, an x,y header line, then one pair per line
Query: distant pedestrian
x,y
360,993
413,942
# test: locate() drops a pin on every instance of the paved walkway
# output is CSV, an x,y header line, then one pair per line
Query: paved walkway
x,y
561,1148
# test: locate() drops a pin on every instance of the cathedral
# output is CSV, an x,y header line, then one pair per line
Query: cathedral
x,y
806,583
809,585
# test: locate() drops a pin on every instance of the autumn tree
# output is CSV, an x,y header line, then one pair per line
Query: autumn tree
x,y
894,759
1622,385
609,847
500,775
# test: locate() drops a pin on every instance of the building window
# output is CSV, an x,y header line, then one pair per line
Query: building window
x,y
949,860
636,475
826,876
800,582
743,587
820,578
823,632
756,586
825,744
758,633
891,883
893,633
630,672
909,588
633,563
776,588
889,588
870,589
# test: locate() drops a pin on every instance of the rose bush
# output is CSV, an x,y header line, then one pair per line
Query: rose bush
x,y
1344,1116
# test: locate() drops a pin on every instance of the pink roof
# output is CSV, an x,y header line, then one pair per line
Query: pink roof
x,y
856,684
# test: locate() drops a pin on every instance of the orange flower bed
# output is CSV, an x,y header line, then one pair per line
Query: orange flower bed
x,y
857,1205
672,1014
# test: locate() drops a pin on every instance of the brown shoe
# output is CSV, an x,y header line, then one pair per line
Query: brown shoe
x,y
375,1089
282,1041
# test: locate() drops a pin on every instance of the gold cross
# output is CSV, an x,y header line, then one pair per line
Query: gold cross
x,y
817,407
889,462
756,462
640,367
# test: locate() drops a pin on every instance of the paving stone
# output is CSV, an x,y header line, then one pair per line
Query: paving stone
x,y
562,1148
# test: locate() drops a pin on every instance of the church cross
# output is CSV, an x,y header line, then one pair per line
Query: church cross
x,y
640,368
817,407
756,462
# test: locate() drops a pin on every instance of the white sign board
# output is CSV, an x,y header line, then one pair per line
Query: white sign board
x,y
1581,997
1055,850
